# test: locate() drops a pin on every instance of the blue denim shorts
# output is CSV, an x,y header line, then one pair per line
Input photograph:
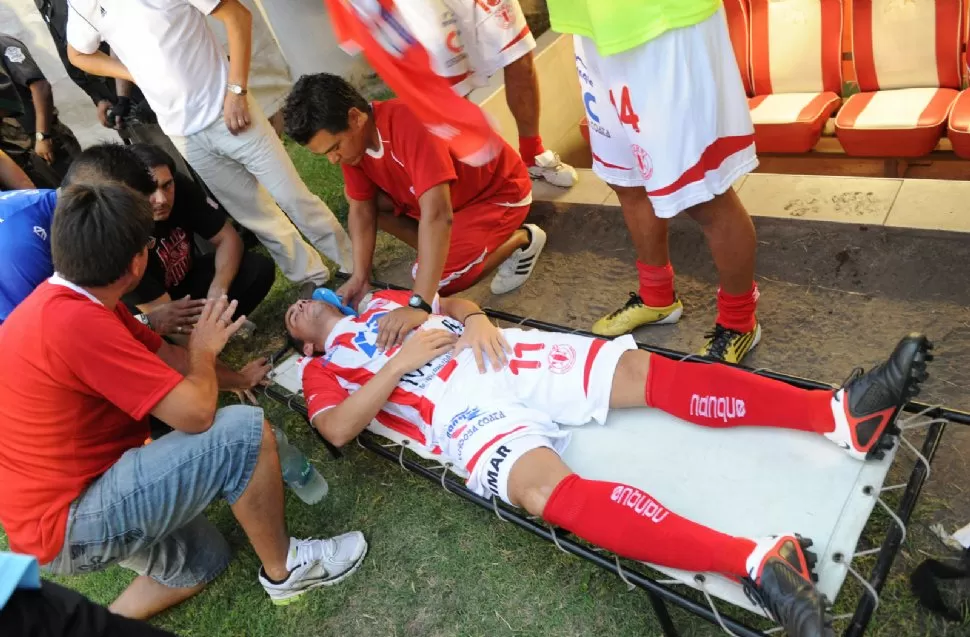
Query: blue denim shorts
x,y
145,512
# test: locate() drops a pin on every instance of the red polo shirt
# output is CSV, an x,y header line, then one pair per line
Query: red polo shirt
x,y
411,161
77,382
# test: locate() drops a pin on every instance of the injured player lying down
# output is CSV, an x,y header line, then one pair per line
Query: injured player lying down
x,y
492,401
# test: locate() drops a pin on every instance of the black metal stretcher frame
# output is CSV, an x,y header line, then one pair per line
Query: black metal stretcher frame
x,y
660,594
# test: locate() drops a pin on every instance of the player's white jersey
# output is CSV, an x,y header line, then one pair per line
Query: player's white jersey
x,y
351,359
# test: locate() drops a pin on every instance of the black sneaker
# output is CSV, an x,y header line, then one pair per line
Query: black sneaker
x,y
870,401
781,580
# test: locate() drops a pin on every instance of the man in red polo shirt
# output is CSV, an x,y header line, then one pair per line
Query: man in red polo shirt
x,y
79,377
465,221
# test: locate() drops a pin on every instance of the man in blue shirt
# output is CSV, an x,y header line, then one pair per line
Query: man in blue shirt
x,y
25,226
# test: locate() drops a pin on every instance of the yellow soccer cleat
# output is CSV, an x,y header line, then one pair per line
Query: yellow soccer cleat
x,y
634,314
730,346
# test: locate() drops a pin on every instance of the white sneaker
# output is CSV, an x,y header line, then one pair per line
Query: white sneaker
x,y
548,166
517,269
316,563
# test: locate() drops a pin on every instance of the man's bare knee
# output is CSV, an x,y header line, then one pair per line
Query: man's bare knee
x,y
629,380
534,477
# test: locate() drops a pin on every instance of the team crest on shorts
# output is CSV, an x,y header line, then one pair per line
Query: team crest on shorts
x,y
501,10
644,163
561,358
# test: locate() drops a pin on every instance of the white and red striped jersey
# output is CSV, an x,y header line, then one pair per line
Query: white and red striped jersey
x,y
351,359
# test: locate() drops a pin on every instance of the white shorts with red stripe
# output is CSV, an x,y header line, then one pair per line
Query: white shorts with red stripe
x,y
485,422
670,115
469,40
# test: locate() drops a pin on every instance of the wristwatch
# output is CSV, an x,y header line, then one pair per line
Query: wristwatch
x,y
144,320
418,303
39,136
235,88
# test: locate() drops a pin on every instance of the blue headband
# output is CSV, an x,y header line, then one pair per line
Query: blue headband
x,y
329,296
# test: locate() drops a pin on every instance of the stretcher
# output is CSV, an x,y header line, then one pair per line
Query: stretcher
x,y
743,481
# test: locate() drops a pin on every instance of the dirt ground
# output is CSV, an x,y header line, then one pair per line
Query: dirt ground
x,y
833,297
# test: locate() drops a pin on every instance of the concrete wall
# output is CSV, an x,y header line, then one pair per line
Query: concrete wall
x,y
561,101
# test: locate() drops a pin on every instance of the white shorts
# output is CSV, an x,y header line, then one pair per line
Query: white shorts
x,y
670,115
485,422
469,40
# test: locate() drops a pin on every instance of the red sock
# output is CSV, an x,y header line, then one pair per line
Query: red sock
x,y
737,312
656,284
630,523
720,396
529,147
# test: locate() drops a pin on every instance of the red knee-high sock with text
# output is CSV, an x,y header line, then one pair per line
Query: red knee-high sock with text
x,y
716,395
737,311
529,147
656,284
630,523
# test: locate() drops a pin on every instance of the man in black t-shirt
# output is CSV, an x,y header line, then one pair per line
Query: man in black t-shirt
x,y
176,269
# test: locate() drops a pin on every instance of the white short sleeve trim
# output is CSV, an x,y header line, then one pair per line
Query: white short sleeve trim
x,y
81,34
206,6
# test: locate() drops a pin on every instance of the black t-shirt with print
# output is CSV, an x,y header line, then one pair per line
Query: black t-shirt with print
x,y
170,261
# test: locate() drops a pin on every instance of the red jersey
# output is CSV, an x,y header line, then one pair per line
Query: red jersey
x,y
77,382
352,359
411,161
377,28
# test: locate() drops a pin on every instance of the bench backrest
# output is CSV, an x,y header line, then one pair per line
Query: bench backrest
x,y
907,43
739,27
796,46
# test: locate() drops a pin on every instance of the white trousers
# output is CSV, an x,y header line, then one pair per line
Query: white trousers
x,y
250,173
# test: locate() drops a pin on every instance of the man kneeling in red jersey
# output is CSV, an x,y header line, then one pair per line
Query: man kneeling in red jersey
x,y
465,221
502,425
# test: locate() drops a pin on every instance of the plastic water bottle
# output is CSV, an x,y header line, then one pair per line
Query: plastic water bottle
x,y
298,472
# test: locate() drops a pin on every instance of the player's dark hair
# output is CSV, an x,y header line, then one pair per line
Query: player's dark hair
x,y
318,102
153,156
110,162
97,230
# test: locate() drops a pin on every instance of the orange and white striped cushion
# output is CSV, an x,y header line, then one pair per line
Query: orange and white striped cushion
x,y
906,43
786,108
902,109
796,46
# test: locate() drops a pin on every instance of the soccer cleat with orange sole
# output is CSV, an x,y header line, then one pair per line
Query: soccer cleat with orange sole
x,y
866,406
781,579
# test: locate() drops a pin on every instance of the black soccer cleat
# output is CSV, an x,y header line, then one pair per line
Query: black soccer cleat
x,y
864,426
781,579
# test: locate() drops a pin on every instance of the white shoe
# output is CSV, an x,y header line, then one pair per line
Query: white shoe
x,y
548,166
517,269
316,563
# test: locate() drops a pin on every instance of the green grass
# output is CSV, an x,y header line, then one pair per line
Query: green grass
x,y
438,566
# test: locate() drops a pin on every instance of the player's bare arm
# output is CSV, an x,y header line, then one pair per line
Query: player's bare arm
x,y
98,63
341,424
480,334
434,237
362,227
239,29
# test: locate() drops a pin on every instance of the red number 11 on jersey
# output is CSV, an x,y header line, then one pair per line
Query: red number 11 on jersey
x,y
518,363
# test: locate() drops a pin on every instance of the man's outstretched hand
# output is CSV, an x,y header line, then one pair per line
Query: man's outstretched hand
x,y
176,317
393,327
353,290
486,341
253,374
215,327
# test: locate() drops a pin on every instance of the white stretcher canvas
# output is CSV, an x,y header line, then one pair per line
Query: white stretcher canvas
x,y
743,481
